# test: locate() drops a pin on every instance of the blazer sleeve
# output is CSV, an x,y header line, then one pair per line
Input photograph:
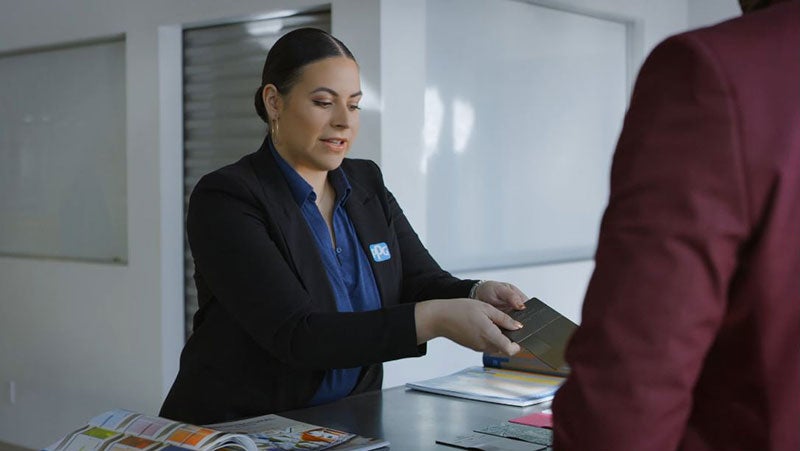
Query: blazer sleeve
x,y
236,255
666,255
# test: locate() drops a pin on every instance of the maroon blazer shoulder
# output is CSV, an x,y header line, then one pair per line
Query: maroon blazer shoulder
x,y
690,331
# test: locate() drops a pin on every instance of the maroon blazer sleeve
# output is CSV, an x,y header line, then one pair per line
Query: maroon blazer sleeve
x,y
666,254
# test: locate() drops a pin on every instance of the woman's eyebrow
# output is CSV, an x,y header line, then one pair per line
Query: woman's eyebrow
x,y
334,93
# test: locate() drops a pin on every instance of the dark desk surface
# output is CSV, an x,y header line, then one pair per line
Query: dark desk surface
x,y
409,419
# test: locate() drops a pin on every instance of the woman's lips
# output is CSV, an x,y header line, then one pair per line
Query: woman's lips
x,y
337,144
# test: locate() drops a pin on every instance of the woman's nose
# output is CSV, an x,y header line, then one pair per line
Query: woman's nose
x,y
341,117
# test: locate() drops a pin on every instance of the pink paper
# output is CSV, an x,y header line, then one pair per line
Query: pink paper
x,y
538,419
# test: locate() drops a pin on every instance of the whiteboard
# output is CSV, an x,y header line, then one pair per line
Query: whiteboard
x,y
523,107
62,153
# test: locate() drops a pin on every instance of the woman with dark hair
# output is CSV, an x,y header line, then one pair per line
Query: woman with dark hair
x,y
308,274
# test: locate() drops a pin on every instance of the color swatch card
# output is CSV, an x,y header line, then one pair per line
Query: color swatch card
x,y
545,332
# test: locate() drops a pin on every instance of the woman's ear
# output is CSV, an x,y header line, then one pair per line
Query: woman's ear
x,y
273,100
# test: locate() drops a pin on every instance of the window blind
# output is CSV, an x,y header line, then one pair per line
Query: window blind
x,y
221,70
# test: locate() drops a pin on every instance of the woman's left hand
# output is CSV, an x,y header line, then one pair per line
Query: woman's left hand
x,y
501,295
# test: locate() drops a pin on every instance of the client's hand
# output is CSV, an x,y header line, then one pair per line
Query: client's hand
x,y
502,295
468,322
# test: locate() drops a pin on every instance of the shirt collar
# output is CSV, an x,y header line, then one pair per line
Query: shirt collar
x,y
301,190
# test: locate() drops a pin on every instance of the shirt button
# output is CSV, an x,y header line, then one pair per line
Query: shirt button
x,y
338,250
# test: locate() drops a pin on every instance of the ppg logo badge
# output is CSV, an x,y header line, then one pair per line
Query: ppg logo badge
x,y
380,252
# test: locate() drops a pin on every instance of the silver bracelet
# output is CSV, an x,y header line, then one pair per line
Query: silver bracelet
x,y
474,290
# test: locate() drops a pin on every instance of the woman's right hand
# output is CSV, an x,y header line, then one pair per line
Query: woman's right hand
x,y
468,322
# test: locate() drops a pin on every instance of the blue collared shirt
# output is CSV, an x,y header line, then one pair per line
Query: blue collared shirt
x,y
346,265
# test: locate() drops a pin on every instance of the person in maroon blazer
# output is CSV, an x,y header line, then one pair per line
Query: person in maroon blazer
x,y
690,333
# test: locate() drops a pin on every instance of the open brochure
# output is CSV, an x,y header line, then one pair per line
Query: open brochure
x,y
520,380
122,430
284,433
499,386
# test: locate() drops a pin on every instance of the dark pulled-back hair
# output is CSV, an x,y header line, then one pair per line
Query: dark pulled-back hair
x,y
290,54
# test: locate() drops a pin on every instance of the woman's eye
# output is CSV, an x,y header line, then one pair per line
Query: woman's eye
x,y
322,103
354,107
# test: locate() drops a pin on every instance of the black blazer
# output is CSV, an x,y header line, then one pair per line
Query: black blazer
x,y
267,327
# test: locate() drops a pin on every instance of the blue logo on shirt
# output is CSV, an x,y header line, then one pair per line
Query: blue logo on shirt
x,y
380,252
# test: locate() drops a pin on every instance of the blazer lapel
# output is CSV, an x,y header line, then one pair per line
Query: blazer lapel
x,y
372,228
298,246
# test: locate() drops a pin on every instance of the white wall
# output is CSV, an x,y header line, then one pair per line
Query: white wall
x,y
79,338
709,12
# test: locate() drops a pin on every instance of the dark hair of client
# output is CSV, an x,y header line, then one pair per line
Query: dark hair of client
x,y
290,54
754,5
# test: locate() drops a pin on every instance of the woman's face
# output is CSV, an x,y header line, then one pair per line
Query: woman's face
x,y
317,120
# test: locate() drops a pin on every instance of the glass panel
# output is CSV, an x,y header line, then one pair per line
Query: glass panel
x,y
523,107
62,148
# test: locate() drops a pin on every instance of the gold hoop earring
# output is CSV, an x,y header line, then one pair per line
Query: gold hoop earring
x,y
273,130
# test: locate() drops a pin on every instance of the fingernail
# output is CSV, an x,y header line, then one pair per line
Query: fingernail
x,y
519,325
